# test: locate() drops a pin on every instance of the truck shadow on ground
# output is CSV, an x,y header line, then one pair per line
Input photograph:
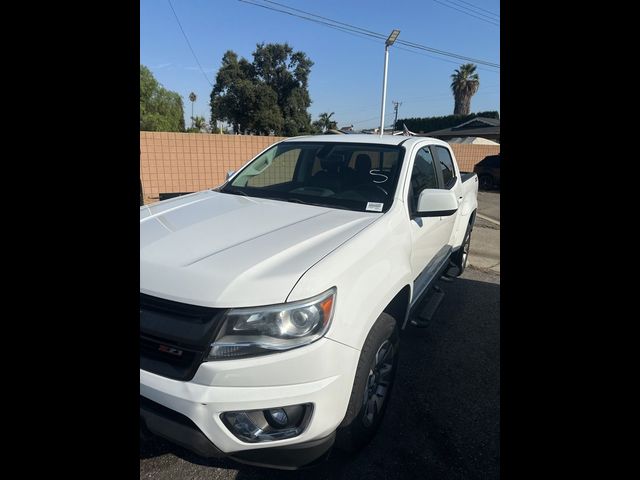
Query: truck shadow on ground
x,y
443,420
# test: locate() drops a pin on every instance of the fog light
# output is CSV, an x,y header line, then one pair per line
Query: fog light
x,y
277,416
266,425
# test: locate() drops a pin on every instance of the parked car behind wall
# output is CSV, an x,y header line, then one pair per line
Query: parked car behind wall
x,y
488,171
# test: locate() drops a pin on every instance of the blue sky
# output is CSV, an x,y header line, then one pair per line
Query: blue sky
x,y
347,75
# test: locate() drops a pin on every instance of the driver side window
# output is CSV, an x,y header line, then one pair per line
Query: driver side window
x,y
423,175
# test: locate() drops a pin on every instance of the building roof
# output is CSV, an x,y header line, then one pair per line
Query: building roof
x,y
476,127
472,141
495,122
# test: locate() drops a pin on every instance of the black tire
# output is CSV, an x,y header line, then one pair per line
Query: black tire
x,y
462,255
372,386
486,182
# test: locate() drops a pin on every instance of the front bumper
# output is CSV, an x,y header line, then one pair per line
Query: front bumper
x,y
178,429
189,415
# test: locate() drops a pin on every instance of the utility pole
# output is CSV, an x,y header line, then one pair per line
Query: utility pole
x,y
396,105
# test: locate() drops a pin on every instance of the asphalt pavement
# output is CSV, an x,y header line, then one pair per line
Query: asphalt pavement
x,y
489,204
485,239
443,421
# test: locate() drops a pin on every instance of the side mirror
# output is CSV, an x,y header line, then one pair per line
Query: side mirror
x,y
230,173
436,203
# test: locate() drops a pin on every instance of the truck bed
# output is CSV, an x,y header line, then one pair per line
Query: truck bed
x,y
467,176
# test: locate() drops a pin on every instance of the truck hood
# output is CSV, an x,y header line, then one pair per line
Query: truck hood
x,y
223,250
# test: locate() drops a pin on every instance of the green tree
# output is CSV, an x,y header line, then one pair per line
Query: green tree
x,y
160,109
233,94
464,84
198,125
267,96
325,123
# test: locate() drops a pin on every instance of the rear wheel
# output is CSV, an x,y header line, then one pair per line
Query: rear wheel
x,y
461,257
372,385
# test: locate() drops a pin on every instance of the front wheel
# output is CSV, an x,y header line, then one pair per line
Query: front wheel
x,y
372,385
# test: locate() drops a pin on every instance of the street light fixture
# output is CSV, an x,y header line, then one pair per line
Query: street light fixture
x,y
390,41
392,38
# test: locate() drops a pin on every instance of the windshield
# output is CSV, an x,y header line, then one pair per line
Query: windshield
x,y
352,176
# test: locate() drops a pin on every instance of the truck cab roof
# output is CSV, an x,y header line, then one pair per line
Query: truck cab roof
x,y
366,138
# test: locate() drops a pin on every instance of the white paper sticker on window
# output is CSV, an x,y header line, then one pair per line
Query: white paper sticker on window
x,y
374,207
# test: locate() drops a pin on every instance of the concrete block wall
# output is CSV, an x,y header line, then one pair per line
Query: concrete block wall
x,y
468,155
188,162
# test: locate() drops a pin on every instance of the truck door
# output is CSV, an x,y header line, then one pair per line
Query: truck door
x,y
449,179
428,234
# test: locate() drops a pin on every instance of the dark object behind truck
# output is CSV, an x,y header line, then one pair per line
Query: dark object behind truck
x,y
488,171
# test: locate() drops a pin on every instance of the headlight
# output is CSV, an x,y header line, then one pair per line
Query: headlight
x,y
258,331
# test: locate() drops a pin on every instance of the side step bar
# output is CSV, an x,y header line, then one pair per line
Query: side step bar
x,y
423,319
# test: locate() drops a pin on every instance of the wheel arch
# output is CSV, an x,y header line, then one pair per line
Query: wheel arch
x,y
398,308
472,218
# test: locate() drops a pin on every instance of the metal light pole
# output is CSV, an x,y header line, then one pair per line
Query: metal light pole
x,y
387,44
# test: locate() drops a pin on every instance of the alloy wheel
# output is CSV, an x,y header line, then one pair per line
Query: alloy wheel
x,y
378,383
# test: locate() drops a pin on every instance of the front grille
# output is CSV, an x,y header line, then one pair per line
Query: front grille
x,y
175,337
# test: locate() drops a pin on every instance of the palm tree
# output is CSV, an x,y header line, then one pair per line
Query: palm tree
x,y
192,99
464,84
199,123
325,123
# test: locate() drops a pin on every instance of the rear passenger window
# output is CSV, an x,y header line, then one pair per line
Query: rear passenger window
x,y
423,175
446,166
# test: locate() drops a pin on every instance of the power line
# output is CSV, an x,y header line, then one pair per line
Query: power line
x,y
326,18
467,13
189,43
348,31
441,59
467,9
348,28
362,31
478,8
442,52
372,118
369,32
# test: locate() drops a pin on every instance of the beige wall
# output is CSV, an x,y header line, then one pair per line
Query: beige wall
x,y
188,162
468,155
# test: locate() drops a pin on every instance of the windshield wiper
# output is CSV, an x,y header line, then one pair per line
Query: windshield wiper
x,y
297,200
325,205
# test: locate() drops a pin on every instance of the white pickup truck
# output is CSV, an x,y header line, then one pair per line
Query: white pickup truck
x,y
270,306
